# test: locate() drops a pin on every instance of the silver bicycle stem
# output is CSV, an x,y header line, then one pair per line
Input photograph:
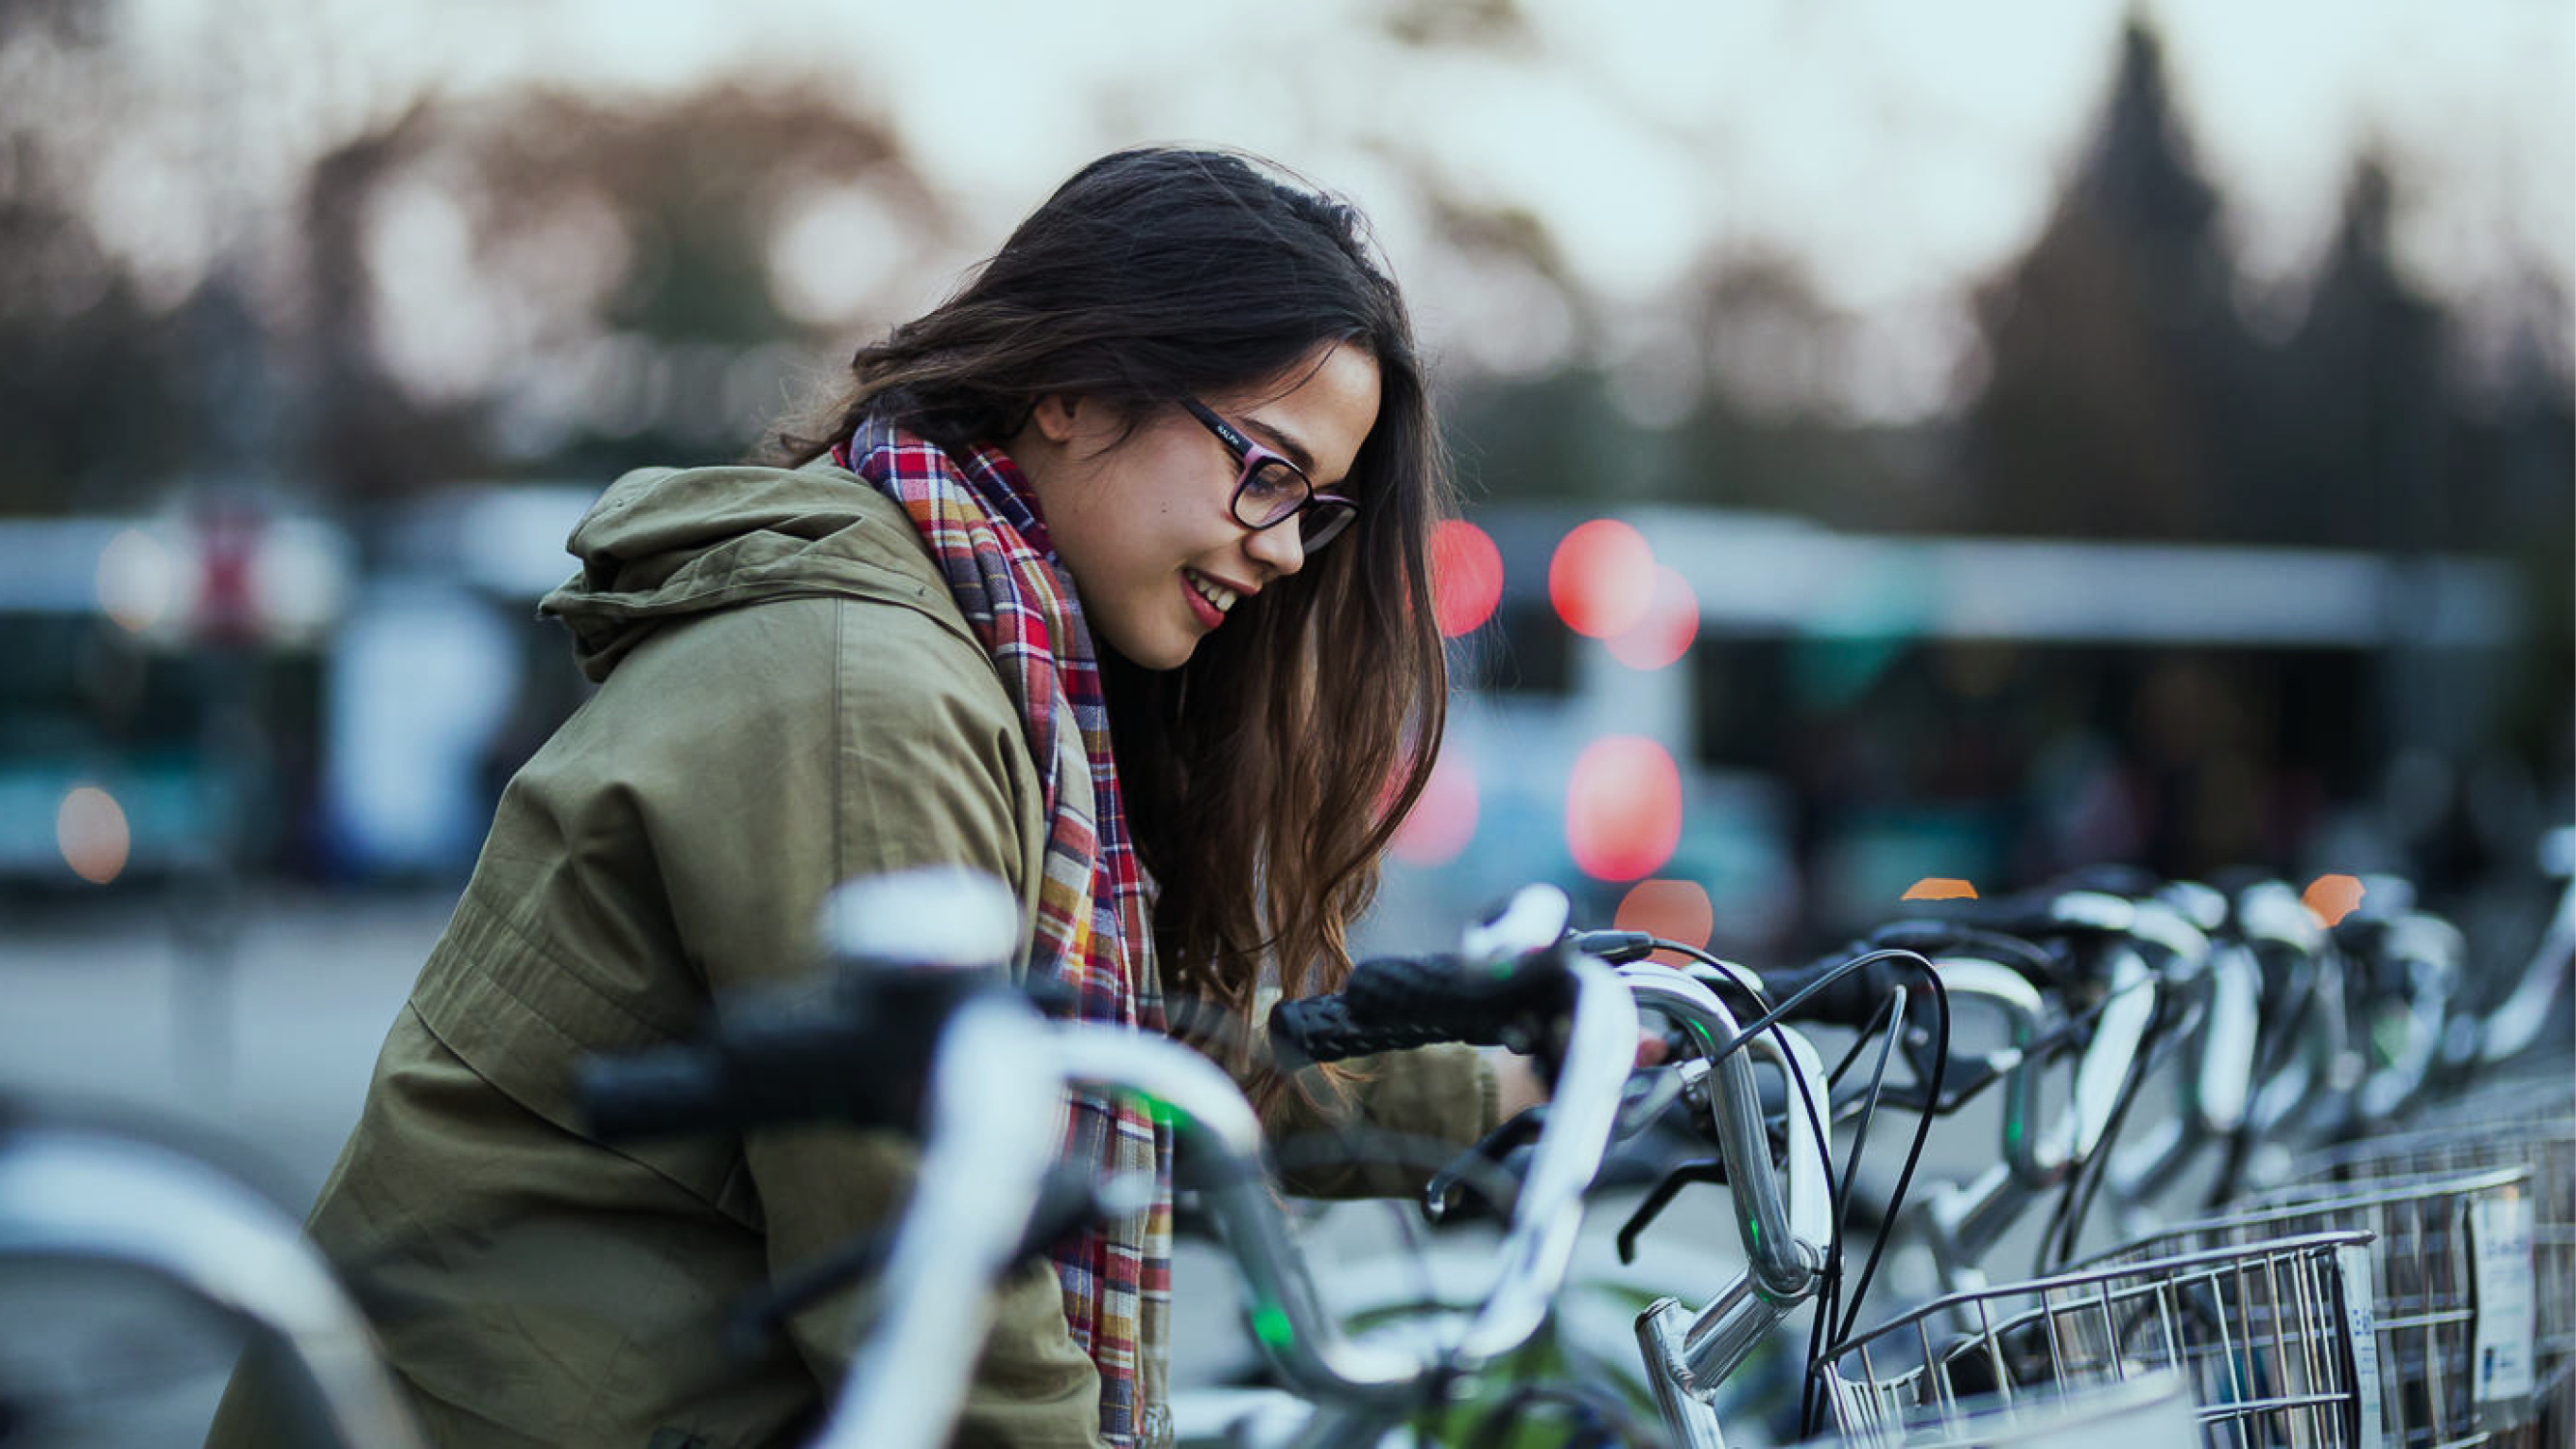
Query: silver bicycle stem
x,y
2432,951
2513,1027
1772,1239
1963,1223
2217,1089
1688,1355
2321,1062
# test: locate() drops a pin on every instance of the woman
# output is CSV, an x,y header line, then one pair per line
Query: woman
x,y
1107,576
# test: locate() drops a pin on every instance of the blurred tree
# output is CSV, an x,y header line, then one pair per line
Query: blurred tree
x,y
1773,429
561,282
2115,400
1428,23
1755,358
2359,403
95,402
368,434
96,406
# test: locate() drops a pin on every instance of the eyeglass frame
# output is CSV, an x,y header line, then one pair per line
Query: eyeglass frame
x,y
1251,457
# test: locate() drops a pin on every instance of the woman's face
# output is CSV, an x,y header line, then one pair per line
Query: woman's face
x,y
1145,523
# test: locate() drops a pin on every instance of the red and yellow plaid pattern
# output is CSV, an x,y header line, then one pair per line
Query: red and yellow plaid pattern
x,y
974,510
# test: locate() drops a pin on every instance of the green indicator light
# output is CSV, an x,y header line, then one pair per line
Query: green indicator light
x,y
2389,1036
1270,1325
1753,1231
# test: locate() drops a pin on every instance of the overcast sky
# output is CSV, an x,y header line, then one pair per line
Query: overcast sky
x,y
1901,148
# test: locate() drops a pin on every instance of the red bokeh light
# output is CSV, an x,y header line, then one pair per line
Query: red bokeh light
x,y
1443,818
1623,809
1602,579
1675,910
1665,633
1466,577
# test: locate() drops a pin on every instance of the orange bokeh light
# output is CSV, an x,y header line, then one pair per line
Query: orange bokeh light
x,y
1673,910
1443,820
1602,578
2330,898
1623,808
1665,633
1466,577
90,829
1940,888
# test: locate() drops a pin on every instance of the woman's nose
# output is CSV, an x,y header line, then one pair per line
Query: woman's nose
x,y
1278,547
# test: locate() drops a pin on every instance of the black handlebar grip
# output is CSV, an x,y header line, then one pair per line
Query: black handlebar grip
x,y
762,1069
1392,1003
666,1091
1322,1029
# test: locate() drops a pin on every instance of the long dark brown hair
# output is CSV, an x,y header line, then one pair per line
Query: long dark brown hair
x,y
1264,778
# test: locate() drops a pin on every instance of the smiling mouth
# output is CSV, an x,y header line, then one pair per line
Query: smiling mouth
x,y
1218,596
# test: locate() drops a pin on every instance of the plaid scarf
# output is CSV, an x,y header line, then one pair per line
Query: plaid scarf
x,y
975,512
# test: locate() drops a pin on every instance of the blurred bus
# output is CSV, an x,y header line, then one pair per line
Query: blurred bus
x,y
1850,715
160,692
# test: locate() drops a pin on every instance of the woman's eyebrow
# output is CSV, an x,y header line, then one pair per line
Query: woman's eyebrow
x,y
1285,443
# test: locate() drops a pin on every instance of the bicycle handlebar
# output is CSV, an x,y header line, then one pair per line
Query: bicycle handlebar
x,y
770,1066
997,1077
69,1194
995,1125
1392,1003
1775,1224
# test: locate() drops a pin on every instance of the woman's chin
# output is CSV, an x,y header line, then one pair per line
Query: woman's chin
x,y
1158,656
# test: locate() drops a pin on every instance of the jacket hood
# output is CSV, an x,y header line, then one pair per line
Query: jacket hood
x,y
664,544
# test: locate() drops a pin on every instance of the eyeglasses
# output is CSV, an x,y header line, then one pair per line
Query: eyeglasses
x,y
1271,490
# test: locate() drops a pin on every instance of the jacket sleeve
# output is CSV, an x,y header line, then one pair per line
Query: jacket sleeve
x,y
1439,1099
863,738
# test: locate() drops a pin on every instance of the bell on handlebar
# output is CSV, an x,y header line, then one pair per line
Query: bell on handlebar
x,y
1533,919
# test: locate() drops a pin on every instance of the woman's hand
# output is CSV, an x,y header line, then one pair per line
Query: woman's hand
x,y
1516,1079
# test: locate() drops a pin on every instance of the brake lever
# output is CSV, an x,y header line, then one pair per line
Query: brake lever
x,y
1649,1099
1481,1160
1699,1170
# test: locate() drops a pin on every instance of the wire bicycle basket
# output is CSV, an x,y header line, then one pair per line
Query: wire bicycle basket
x,y
2274,1338
2547,1147
2450,1269
2152,1410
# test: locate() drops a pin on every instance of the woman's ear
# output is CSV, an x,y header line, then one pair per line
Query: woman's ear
x,y
1057,417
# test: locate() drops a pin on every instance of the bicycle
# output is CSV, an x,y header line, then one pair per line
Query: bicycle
x,y
969,1217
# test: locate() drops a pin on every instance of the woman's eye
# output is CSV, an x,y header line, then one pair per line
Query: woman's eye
x,y
1272,483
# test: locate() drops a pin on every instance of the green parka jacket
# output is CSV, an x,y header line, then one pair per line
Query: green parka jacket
x,y
787,699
